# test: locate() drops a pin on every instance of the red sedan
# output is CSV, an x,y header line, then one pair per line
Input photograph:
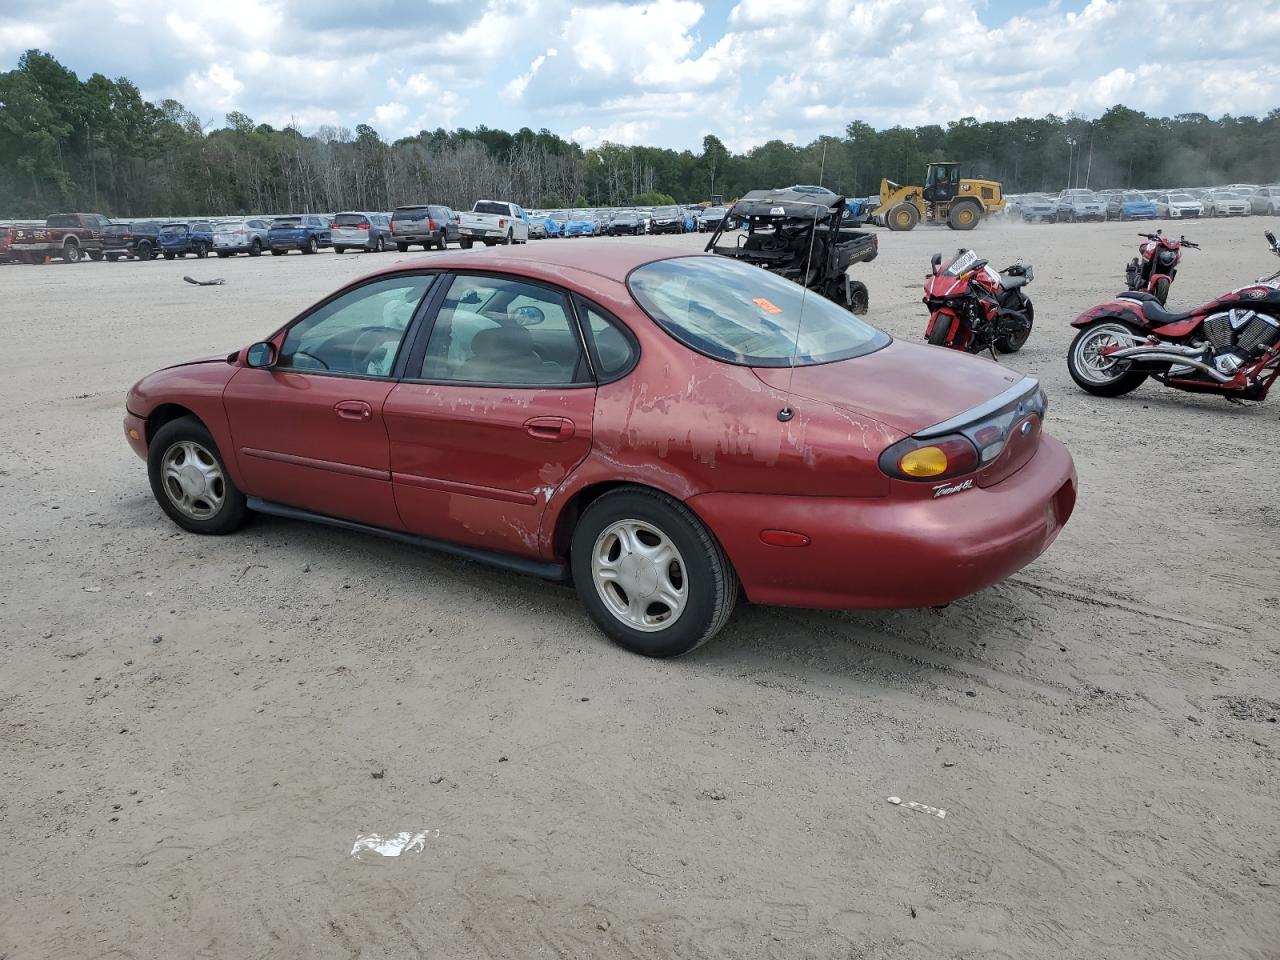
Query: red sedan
x,y
666,430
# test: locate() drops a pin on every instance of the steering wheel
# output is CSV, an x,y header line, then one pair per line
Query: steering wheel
x,y
528,315
309,356
367,342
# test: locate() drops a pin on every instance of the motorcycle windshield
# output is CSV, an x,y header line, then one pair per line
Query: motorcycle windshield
x,y
961,262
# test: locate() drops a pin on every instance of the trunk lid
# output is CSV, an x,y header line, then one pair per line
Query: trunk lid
x,y
907,386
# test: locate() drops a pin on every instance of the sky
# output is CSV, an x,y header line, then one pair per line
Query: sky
x,y
664,72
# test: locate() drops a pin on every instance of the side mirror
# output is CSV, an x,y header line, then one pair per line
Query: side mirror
x,y
261,355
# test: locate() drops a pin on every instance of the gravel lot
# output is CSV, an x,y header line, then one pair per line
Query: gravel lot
x,y
196,730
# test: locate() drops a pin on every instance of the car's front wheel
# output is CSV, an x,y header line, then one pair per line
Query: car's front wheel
x,y
190,480
651,576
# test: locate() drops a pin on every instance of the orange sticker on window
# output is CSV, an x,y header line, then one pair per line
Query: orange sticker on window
x,y
766,306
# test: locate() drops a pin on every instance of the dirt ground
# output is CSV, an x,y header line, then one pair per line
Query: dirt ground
x,y
195,731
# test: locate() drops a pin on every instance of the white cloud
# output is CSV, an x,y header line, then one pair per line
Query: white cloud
x,y
664,71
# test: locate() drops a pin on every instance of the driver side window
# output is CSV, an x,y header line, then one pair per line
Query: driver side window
x,y
359,333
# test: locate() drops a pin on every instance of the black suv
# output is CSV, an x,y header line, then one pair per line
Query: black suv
x,y
131,240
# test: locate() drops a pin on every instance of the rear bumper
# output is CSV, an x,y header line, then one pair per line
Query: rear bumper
x,y
423,237
887,553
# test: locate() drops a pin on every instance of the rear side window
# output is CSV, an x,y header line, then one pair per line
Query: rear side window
x,y
504,331
614,350
63,220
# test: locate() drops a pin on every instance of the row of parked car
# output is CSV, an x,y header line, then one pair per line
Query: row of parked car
x,y
1235,200
74,236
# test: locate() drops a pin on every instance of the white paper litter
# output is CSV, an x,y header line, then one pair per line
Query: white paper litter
x,y
920,807
370,847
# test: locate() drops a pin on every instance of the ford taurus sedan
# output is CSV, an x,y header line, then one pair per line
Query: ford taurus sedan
x,y
666,431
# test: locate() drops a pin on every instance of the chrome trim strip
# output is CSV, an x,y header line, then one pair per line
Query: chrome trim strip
x,y
1016,392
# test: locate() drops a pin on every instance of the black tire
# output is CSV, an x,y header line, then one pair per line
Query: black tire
x,y
201,250
1124,383
465,244
402,247
95,255
223,254
71,253
380,244
441,242
313,246
1161,290
339,249
169,256
904,216
938,335
145,252
1012,343
112,257
255,249
507,240
277,253
964,215
708,577
233,512
860,298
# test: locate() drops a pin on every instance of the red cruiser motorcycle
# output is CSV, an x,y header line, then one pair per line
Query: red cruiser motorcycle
x,y
974,308
1156,264
1230,346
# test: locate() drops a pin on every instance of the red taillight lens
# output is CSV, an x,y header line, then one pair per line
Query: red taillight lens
x,y
501,224
939,458
431,225
362,226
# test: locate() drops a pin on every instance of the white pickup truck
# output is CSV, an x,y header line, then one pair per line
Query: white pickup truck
x,y
493,221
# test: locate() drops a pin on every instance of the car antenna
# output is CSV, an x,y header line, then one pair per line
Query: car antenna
x,y
786,413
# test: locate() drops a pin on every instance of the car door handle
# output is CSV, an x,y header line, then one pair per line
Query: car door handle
x,y
549,428
353,410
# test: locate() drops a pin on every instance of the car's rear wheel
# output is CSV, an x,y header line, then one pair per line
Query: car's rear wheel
x,y
112,257
339,249
255,248
277,253
441,242
71,253
651,576
1099,375
190,480
313,245
169,256
223,254
379,244
402,247
95,255
201,250
465,244
145,252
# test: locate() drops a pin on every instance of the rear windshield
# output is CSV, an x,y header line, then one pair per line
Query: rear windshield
x,y
490,206
63,220
287,222
174,228
350,220
409,213
741,314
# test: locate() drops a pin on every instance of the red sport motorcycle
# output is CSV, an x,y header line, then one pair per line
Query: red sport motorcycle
x,y
1230,346
974,308
1156,264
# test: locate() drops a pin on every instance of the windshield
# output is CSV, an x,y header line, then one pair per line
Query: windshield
x,y
961,262
491,206
741,314
1182,198
665,212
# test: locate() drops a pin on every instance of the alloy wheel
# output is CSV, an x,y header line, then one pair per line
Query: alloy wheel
x,y
1090,362
640,575
193,480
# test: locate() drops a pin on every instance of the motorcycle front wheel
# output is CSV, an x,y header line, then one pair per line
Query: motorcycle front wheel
x,y
1161,290
1099,375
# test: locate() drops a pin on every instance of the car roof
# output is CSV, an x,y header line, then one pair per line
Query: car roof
x,y
612,262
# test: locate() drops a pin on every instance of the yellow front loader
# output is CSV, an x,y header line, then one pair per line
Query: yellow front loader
x,y
944,198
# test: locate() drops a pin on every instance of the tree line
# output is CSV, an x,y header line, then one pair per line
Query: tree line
x,y
97,144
